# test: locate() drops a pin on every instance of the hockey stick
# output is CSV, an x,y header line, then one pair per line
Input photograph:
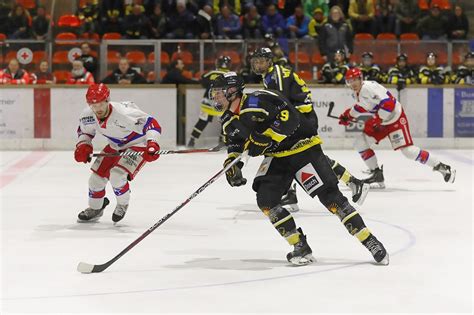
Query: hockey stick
x,y
330,115
161,152
89,268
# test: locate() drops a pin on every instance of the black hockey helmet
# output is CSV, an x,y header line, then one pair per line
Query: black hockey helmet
x,y
469,55
223,62
368,54
403,57
431,55
341,52
226,85
258,66
270,40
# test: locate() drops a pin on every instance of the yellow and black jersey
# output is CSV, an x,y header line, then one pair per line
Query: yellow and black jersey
x,y
334,73
288,83
405,75
270,113
206,81
372,73
463,75
432,75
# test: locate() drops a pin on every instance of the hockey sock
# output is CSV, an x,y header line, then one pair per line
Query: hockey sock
x,y
119,182
284,223
352,221
370,159
96,191
415,153
199,127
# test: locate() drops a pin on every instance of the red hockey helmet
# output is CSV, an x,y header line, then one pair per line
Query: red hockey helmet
x,y
353,73
97,93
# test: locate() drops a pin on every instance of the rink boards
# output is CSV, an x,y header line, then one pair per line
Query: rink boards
x,y
33,118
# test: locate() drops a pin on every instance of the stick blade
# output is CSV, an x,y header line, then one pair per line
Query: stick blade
x,y
85,267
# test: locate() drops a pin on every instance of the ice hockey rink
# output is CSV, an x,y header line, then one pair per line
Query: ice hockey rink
x,y
219,253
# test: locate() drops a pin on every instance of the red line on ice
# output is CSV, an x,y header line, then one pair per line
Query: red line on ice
x,y
21,166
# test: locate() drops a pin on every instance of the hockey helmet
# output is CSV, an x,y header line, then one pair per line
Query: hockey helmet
x,y
367,54
431,55
469,55
97,93
264,53
223,62
353,73
402,57
227,85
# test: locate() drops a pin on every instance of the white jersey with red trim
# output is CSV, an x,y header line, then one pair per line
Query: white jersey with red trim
x,y
125,126
375,99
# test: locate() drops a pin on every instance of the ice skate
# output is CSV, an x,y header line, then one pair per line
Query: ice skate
x,y
290,201
92,215
449,174
359,190
376,180
302,254
377,250
119,212
191,142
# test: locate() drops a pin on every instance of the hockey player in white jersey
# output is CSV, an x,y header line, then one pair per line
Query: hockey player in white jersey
x,y
127,129
388,120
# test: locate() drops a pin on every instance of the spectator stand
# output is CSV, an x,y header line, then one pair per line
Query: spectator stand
x,y
28,52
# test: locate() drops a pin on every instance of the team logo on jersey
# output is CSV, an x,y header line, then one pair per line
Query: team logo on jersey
x,y
88,120
309,178
403,121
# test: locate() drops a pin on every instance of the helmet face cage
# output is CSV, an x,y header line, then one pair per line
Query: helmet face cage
x,y
224,88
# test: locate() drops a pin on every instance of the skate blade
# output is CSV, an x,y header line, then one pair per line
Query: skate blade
x,y
365,191
292,207
302,261
94,220
377,185
384,262
452,177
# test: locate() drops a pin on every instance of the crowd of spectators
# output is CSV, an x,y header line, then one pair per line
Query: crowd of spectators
x,y
235,19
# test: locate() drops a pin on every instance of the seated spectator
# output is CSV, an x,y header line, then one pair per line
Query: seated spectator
x,y
40,24
311,5
343,4
431,73
181,23
17,23
407,13
316,23
465,73
157,23
335,35
205,23
13,74
434,25
458,25
384,17
287,7
233,5
111,16
401,74
88,13
334,72
175,74
124,75
297,24
43,76
370,70
79,74
273,22
228,25
252,23
362,15
89,61
136,24
129,6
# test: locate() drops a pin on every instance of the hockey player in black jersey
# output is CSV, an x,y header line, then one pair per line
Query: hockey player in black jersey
x,y
401,74
370,70
265,124
334,72
208,111
295,90
432,73
465,73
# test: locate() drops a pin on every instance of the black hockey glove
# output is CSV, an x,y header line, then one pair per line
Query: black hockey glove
x,y
234,174
258,144
226,116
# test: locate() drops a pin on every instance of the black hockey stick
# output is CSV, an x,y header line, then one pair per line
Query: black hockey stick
x,y
161,152
330,115
89,268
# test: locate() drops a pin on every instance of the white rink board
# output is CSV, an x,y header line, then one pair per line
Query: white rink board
x,y
16,113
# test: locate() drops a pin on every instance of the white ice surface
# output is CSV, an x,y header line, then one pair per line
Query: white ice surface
x,y
220,254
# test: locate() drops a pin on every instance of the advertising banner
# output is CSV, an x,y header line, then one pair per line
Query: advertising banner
x,y
16,113
464,112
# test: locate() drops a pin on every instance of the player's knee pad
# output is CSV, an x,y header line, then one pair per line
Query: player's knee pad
x,y
96,182
267,199
334,201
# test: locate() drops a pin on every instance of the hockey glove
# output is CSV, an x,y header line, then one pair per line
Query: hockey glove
x,y
83,152
346,117
226,116
149,154
373,126
258,144
234,174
